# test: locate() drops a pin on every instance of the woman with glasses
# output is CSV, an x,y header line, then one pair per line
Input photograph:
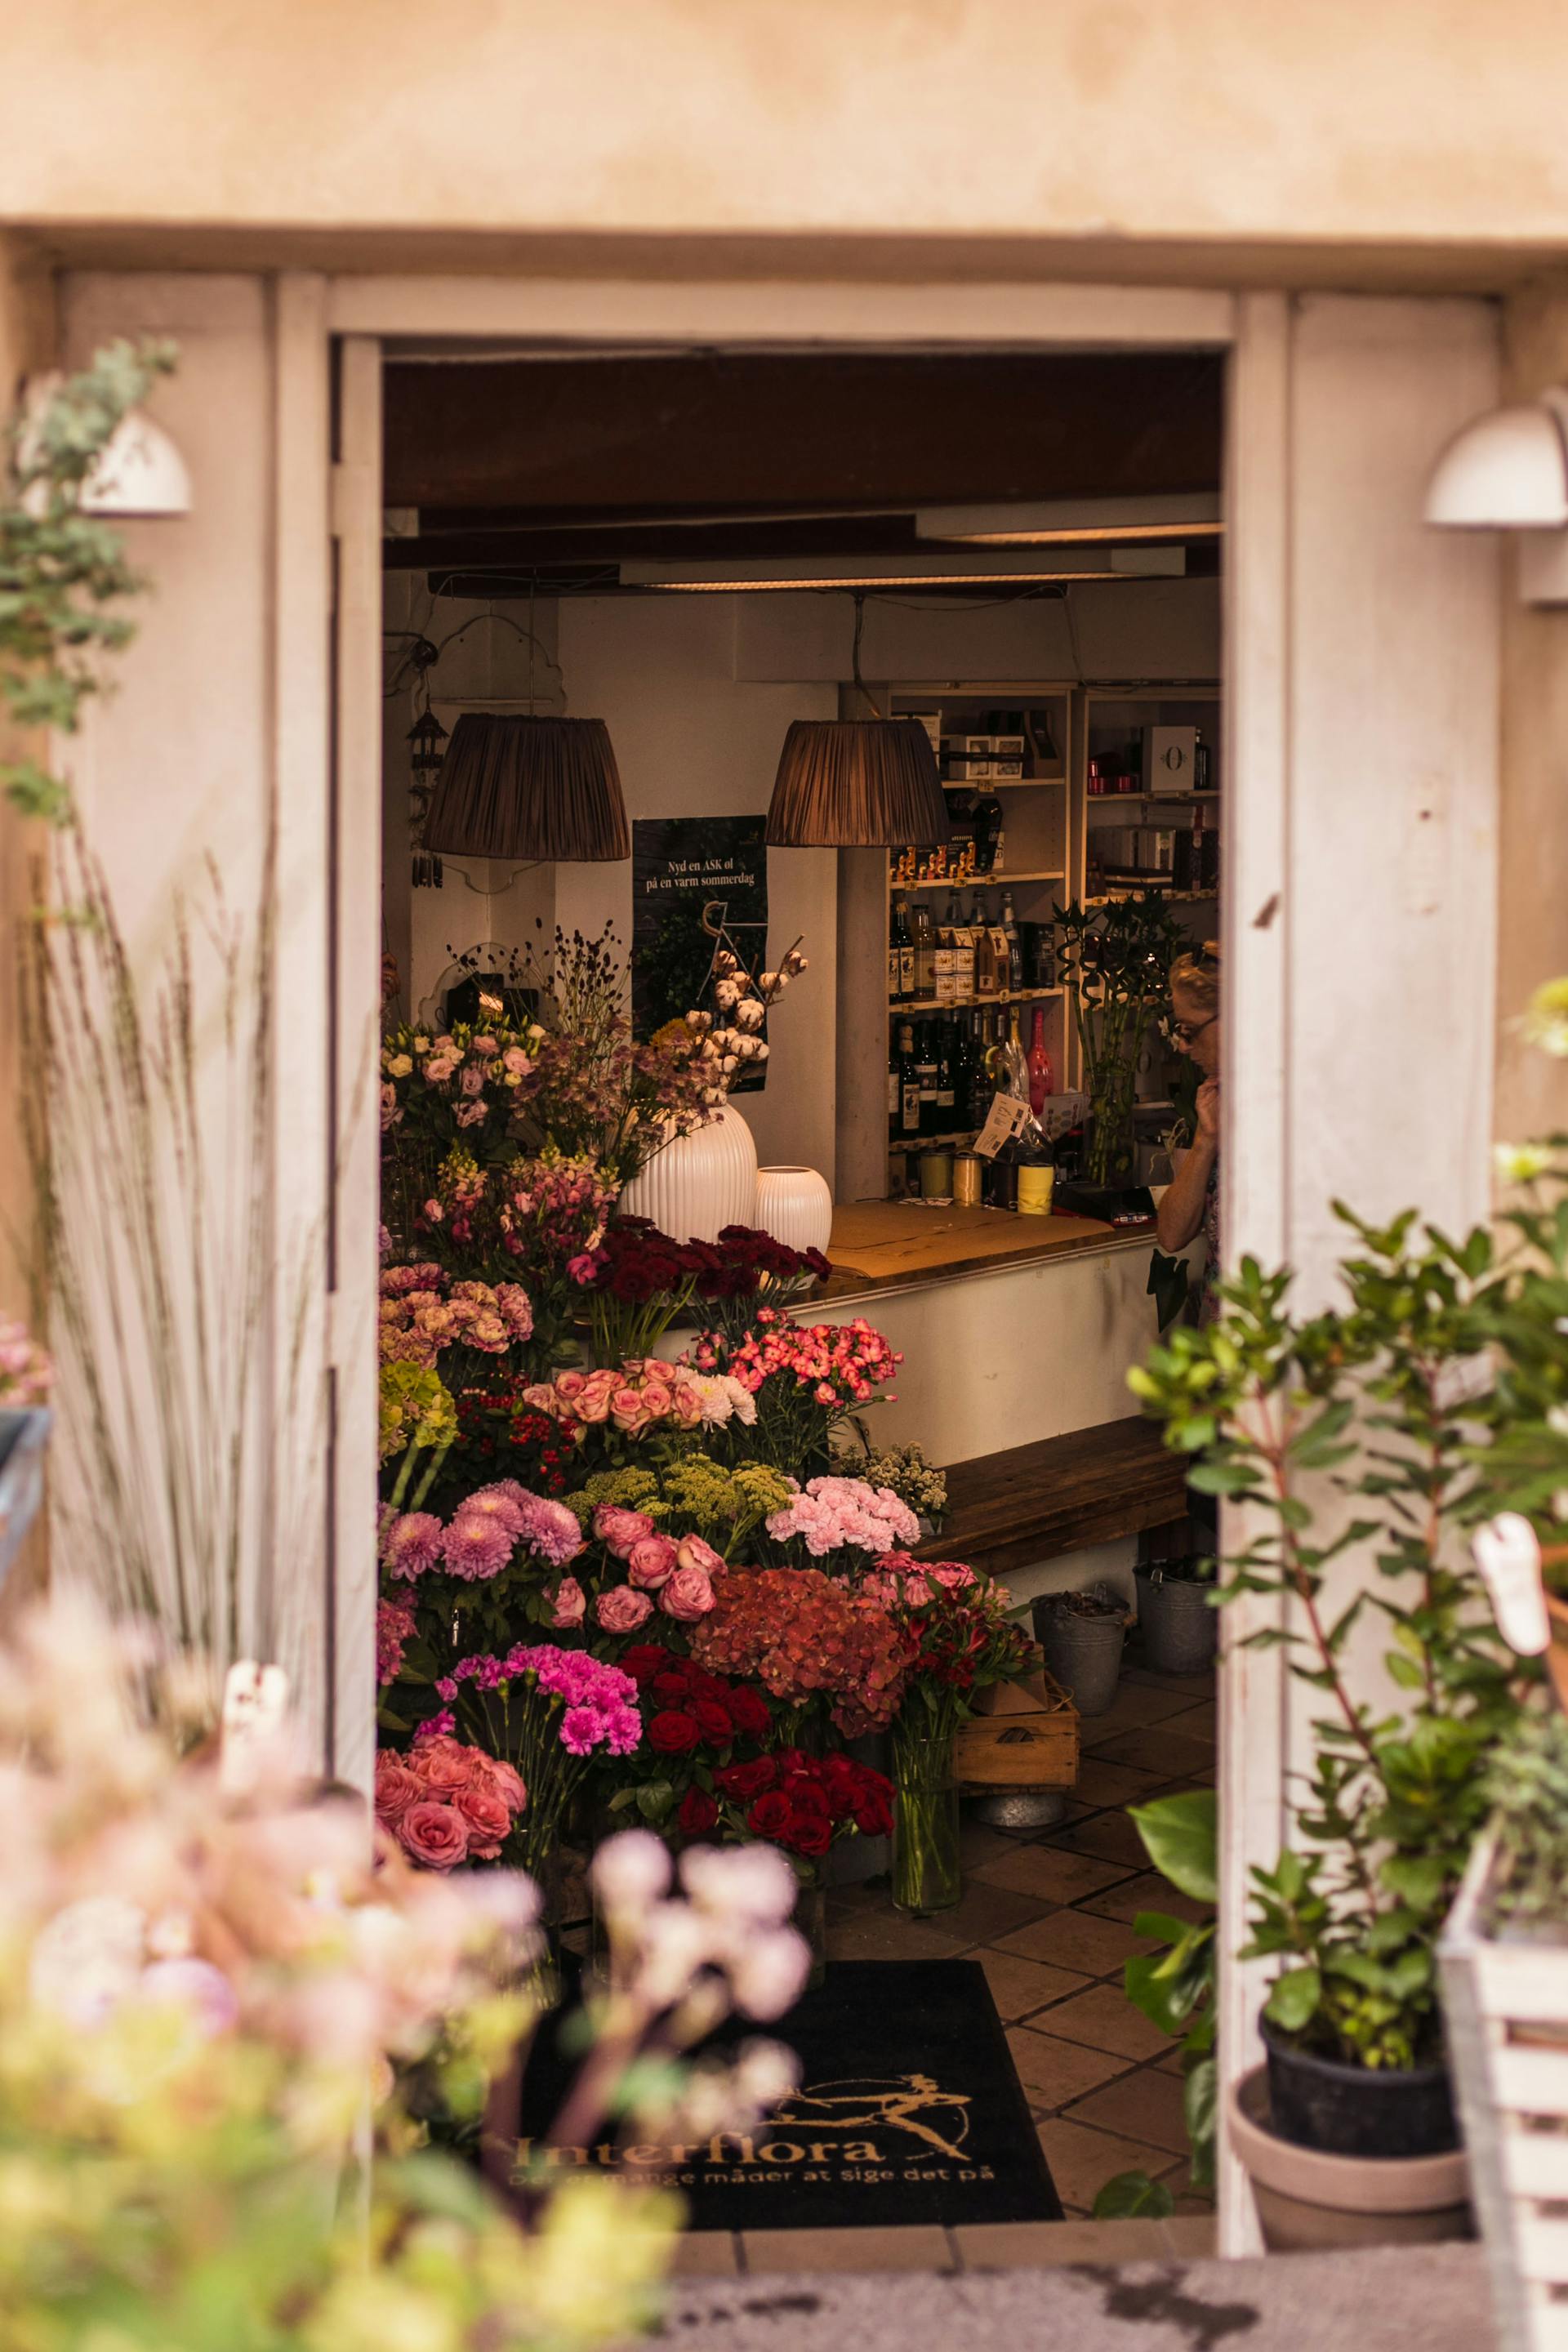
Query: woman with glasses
x,y
1191,1202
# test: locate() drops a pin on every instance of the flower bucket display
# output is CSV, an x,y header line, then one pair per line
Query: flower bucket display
x,y
1176,1618
926,1869
1082,1635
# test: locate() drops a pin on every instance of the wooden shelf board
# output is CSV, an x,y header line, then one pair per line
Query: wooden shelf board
x,y
972,1004
1137,889
1107,800
981,881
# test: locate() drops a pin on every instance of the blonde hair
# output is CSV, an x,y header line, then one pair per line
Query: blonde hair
x,y
1197,976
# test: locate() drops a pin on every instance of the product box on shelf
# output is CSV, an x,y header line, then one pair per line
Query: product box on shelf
x,y
1169,759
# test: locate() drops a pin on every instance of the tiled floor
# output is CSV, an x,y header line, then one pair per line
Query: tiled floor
x,y
1048,1917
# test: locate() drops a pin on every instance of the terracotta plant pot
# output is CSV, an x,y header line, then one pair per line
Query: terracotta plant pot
x,y
1180,1629
1308,2198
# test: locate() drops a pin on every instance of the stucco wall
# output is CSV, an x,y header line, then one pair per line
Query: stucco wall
x,y
1105,120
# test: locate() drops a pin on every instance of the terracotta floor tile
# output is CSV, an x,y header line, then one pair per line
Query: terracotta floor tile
x,y
1074,1939
1147,1892
1019,1986
1056,2073
705,2253
1083,2160
988,1910
1171,2064
922,2246
1156,1751
1199,1687
1146,2105
1100,1784
978,1842
1200,1722
1035,2245
1137,1705
1110,1836
889,1935
1051,1875
1104,2018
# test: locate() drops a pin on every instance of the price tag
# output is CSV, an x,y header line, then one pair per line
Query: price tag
x,y
1007,1117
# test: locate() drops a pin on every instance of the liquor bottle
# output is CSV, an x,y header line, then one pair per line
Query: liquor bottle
x,y
946,950
1042,1077
986,978
988,833
908,1083
900,955
980,1087
946,1091
961,1062
962,954
925,1066
924,933
1015,945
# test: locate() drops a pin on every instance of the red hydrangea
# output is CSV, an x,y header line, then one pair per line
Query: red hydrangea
x,y
800,1634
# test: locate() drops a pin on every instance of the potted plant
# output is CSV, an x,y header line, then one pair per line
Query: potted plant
x,y
1114,960
1371,1412
1082,1635
1176,1614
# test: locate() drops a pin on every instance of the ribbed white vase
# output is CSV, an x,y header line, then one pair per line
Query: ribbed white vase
x,y
698,1183
795,1206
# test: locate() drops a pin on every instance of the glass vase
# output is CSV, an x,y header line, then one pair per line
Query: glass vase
x,y
809,1918
926,1873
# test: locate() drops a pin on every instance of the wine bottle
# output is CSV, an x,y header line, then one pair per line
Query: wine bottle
x,y
901,984
925,954
947,1098
908,1083
925,1060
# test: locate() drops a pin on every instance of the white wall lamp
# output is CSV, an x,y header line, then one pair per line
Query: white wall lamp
x,y
141,475
1508,471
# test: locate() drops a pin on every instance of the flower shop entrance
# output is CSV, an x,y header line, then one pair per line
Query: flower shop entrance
x,y
1360,667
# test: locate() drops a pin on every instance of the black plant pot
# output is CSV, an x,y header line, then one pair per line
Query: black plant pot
x,y
1357,2110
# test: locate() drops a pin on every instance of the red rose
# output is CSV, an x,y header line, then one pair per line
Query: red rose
x,y
809,1832
712,1722
770,1816
698,1813
643,1661
673,1733
842,1781
744,1781
748,1714
874,1813
671,1686
808,1800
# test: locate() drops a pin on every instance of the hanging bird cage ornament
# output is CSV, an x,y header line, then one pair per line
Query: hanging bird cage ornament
x,y
427,750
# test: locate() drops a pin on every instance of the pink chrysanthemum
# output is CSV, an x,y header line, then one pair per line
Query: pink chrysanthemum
x,y
475,1547
411,1544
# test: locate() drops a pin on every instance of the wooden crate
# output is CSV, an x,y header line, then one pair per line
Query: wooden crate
x,y
1505,2011
1023,1735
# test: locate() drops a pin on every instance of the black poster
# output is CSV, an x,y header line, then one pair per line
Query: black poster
x,y
679,866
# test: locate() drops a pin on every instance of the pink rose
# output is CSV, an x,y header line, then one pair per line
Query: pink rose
x,y
507,1784
622,1611
592,1405
541,1398
446,1765
650,1561
657,1400
571,1384
489,1818
620,1530
569,1603
435,1835
396,1787
688,1596
434,1212
692,1552
627,1409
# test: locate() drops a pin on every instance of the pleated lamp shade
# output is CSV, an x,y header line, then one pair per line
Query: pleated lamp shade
x,y
524,787
857,783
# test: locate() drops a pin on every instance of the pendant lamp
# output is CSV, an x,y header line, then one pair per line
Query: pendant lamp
x,y
858,783
526,787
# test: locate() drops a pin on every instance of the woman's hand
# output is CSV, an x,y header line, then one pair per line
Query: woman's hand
x,y
1208,1111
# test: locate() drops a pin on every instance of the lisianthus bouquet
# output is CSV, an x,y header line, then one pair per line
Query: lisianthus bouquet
x,y
810,1643
25,1371
549,1712
459,1086
693,1492
427,1315
844,1520
445,1803
958,1634
805,1381
746,1268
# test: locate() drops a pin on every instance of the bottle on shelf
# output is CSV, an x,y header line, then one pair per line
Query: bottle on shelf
x,y
1203,765
962,953
946,1091
908,1125
988,845
901,955
925,1067
924,935
986,978
1042,1076
1015,945
980,1085
945,951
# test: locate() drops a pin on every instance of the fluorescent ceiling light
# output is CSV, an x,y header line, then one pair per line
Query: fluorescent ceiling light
x,y
1076,521
872,571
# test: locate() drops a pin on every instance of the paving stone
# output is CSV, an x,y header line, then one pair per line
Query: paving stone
x,y
922,2246
1083,2159
1148,1892
1113,1837
1051,1875
1199,1722
1100,1784
1055,2072
1007,2246
1019,1986
1075,1939
1136,1705
887,1935
1146,2105
988,1909
1156,1751
1104,2018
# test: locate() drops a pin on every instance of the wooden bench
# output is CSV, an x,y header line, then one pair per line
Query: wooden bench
x,y
1061,1494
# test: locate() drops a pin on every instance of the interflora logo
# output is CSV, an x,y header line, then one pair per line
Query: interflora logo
x,y
851,2130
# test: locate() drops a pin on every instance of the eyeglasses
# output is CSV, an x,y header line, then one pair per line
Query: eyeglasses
x,y
1185,1032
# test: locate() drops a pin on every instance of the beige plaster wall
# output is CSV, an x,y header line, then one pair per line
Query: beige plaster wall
x,y
1103,119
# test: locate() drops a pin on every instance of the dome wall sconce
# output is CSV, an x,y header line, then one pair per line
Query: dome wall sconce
x,y
140,476
1507,471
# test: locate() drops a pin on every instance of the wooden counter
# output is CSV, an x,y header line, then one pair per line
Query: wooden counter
x,y
878,1245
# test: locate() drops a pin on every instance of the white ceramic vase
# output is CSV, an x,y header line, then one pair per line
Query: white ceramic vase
x,y
698,1183
796,1206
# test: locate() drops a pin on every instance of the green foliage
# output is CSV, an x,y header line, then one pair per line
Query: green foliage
x,y
1526,1788
1114,961
1132,2196
61,570
1357,1436
1174,1987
